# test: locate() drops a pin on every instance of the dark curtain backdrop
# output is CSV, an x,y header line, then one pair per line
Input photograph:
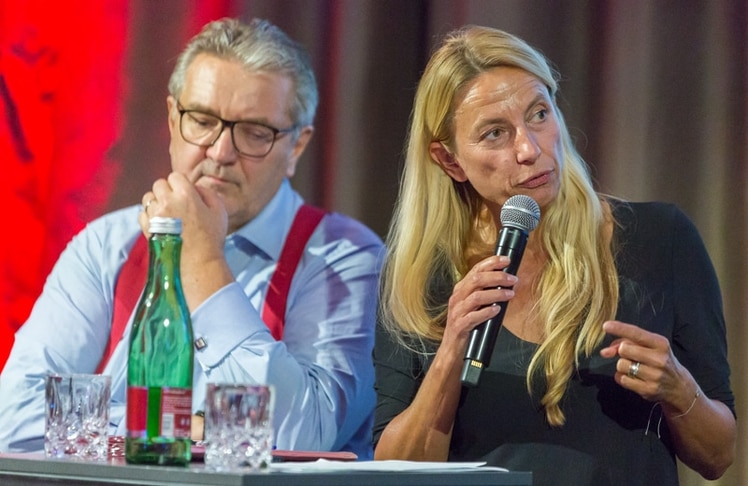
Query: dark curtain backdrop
x,y
655,93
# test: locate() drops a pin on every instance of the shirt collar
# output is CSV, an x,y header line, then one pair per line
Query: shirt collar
x,y
268,230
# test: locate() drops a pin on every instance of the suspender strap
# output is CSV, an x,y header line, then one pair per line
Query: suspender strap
x,y
274,311
127,290
133,275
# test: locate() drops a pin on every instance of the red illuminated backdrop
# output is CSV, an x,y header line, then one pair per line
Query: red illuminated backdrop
x,y
62,101
60,94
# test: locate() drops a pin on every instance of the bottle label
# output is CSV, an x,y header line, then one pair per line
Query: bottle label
x,y
159,412
176,412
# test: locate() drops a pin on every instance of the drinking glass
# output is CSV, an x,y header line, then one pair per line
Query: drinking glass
x,y
238,427
77,416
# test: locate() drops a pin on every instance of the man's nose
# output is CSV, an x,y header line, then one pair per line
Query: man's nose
x,y
222,150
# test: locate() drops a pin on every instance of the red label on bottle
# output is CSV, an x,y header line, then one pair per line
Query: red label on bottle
x,y
137,410
176,412
173,412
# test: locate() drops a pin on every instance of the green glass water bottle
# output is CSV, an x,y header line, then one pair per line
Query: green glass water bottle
x,y
160,364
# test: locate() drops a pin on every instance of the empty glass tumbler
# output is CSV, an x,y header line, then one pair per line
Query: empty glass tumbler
x,y
77,416
238,427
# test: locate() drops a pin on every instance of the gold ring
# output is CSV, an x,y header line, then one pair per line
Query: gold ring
x,y
145,208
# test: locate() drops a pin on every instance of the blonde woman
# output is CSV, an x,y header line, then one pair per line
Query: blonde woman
x,y
611,359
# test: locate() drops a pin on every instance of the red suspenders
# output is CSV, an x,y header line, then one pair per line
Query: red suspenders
x,y
127,290
274,311
132,278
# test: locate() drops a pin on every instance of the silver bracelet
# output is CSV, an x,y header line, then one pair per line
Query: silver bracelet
x,y
696,397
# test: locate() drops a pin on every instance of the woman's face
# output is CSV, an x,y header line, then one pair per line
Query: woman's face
x,y
506,139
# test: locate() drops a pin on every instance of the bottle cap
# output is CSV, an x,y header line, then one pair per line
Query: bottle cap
x,y
161,225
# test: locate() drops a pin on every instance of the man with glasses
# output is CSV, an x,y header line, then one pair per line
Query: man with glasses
x,y
241,104
250,138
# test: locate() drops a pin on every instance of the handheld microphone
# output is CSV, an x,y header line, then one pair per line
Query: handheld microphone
x,y
520,214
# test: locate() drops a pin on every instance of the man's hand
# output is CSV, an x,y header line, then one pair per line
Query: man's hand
x,y
204,228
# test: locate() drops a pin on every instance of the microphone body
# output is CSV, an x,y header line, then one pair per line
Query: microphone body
x,y
511,242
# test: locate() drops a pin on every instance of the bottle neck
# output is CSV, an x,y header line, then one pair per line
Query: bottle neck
x,y
165,250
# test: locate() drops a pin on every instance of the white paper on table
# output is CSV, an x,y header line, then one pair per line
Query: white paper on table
x,y
324,465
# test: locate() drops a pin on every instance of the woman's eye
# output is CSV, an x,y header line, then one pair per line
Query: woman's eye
x,y
541,114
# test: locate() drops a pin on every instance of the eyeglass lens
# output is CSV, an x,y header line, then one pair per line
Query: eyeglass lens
x,y
249,138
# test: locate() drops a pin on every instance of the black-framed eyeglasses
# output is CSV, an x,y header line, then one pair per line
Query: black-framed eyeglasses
x,y
251,139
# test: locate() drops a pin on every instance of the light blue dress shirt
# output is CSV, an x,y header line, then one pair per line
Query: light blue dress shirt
x,y
321,371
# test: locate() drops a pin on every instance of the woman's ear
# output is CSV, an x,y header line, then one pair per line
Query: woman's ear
x,y
447,161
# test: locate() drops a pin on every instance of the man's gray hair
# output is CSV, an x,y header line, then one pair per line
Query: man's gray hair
x,y
258,46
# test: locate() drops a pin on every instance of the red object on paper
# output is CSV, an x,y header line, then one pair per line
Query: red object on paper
x,y
198,455
307,456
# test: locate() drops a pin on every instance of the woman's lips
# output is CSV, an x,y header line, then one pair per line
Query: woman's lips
x,y
537,181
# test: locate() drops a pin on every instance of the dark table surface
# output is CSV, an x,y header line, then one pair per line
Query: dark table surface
x,y
35,469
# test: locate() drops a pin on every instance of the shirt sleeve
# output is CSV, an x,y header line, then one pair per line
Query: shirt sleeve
x,y
699,336
66,331
321,371
399,373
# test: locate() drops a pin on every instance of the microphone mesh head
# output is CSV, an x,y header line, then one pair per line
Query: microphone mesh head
x,y
521,212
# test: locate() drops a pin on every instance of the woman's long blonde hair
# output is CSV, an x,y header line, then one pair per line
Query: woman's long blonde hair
x,y
438,223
